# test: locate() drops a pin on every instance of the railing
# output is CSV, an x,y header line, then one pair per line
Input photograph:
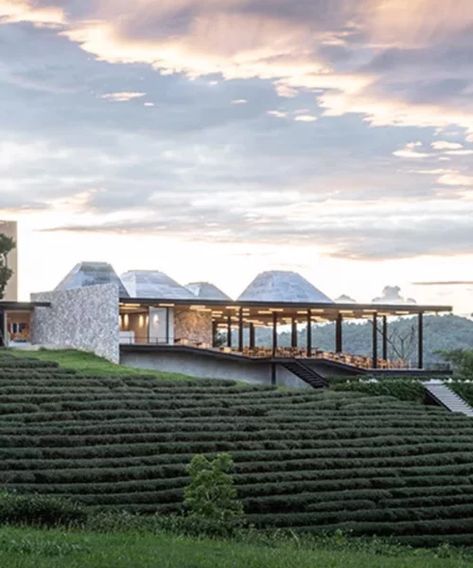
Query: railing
x,y
359,361
142,340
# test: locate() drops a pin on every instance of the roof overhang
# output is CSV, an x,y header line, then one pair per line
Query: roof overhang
x,y
328,311
22,306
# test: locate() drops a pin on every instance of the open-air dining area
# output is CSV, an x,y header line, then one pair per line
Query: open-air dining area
x,y
254,329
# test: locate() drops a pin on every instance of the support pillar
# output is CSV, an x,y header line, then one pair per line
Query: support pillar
x,y
240,330
275,333
252,336
214,333
294,332
229,330
385,338
309,333
420,339
339,334
375,341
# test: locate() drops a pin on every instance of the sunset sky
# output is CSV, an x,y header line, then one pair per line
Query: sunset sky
x,y
214,139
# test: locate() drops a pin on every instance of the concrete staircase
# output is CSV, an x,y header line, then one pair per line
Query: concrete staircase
x,y
443,395
306,374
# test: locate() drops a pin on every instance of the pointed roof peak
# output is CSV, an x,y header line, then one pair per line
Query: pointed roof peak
x,y
154,284
91,274
283,286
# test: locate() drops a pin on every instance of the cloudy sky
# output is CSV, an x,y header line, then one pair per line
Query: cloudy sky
x,y
213,139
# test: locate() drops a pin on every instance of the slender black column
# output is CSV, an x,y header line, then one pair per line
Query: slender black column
x,y
240,330
252,336
309,333
420,338
229,330
375,341
168,330
385,338
339,334
294,333
275,333
214,333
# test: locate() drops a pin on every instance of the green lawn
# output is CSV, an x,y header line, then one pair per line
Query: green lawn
x,y
24,548
89,364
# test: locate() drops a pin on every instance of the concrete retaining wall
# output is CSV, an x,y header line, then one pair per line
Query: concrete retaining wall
x,y
84,318
210,367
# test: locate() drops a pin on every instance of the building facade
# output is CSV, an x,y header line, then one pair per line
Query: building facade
x,y
148,320
10,229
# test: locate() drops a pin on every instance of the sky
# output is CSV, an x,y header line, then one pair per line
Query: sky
x,y
215,139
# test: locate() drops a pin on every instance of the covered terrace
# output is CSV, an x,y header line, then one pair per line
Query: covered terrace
x,y
231,327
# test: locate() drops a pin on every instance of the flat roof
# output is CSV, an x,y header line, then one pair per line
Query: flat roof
x,y
10,305
222,308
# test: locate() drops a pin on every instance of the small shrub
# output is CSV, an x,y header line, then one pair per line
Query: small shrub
x,y
211,497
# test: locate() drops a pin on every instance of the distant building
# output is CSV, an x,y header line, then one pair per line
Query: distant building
x,y
10,229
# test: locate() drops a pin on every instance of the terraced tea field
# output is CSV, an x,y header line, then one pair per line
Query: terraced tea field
x,y
312,461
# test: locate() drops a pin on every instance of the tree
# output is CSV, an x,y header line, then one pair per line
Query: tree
x,y
403,342
7,244
462,361
211,496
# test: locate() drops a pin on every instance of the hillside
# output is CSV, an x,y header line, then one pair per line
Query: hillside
x,y
312,461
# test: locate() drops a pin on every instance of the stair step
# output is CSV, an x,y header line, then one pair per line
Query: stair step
x,y
448,398
306,374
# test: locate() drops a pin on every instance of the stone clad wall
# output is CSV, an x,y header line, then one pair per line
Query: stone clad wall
x,y
193,325
84,318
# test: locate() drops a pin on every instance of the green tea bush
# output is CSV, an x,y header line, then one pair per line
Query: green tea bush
x,y
39,510
401,388
353,458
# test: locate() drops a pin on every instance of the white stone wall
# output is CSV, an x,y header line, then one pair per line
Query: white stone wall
x,y
84,318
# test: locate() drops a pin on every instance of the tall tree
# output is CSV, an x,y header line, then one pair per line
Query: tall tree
x,y
7,244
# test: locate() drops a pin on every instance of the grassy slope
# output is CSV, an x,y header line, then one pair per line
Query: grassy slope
x,y
89,364
27,548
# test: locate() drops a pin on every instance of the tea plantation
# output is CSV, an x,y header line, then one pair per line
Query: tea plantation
x,y
312,461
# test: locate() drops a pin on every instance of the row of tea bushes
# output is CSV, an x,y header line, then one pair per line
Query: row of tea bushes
x,y
310,461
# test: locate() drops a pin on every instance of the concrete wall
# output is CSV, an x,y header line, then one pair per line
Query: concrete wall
x,y
85,318
210,367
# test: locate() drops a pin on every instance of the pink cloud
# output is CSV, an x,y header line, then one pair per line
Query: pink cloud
x,y
13,11
283,43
